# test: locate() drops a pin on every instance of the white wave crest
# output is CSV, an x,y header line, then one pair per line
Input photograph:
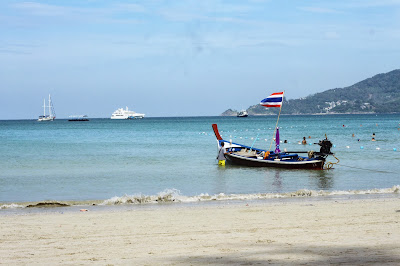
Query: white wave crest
x,y
168,195
174,195
11,206
394,189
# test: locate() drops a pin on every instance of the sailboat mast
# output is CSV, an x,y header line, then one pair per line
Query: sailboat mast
x,y
50,114
277,121
44,107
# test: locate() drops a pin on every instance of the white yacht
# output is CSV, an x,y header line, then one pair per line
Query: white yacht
x,y
52,114
125,114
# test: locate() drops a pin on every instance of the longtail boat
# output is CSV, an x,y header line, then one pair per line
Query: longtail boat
x,y
248,156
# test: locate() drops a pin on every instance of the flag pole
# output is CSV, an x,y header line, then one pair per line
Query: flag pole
x,y
277,121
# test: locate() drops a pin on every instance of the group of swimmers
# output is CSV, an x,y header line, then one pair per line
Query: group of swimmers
x,y
304,141
373,137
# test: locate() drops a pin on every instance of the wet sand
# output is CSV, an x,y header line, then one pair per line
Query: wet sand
x,y
364,231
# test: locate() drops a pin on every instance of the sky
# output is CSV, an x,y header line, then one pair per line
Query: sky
x,y
186,58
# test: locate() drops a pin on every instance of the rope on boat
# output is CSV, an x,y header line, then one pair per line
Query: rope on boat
x,y
366,169
329,165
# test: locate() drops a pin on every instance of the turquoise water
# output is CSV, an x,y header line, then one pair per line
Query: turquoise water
x,y
111,161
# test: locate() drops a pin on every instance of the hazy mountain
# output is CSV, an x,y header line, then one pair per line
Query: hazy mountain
x,y
379,94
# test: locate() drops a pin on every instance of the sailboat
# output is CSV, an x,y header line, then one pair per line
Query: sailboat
x,y
51,113
250,156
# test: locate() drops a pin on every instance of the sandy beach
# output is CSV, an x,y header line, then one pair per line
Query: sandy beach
x,y
364,231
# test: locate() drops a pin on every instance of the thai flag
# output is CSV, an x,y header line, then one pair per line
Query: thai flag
x,y
274,100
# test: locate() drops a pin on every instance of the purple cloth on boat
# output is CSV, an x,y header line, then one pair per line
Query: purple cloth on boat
x,y
277,150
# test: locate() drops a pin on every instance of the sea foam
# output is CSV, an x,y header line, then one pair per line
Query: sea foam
x,y
168,195
174,195
11,206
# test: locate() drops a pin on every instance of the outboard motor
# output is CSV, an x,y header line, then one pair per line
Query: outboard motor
x,y
326,146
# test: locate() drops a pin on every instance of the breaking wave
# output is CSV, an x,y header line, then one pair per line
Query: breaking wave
x,y
11,206
174,195
168,195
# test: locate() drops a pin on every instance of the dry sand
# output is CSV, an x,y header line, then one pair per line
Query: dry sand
x,y
300,232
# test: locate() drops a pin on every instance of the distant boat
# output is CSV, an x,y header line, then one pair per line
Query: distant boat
x,y
126,114
242,113
52,114
78,118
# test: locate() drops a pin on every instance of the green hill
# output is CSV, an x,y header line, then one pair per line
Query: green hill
x,y
379,94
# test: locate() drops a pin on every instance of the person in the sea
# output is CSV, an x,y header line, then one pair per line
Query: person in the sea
x,y
221,155
373,139
304,142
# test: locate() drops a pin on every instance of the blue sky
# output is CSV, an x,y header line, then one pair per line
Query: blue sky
x,y
186,58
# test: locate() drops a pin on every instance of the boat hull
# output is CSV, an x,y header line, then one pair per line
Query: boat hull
x,y
254,162
136,117
126,117
45,119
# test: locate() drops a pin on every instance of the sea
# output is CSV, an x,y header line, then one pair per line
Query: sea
x,y
172,160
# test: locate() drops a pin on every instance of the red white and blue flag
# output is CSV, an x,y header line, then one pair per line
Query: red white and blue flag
x,y
274,100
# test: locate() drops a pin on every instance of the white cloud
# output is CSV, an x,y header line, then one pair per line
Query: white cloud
x,y
372,3
41,9
318,9
332,35
206,11
108,14
134,8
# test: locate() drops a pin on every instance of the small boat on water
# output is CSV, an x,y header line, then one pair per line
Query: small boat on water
x,y
78,118
248,156
242,113
122,113
51,113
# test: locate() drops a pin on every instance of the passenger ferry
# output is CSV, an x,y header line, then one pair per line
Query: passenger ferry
x,y
122,113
